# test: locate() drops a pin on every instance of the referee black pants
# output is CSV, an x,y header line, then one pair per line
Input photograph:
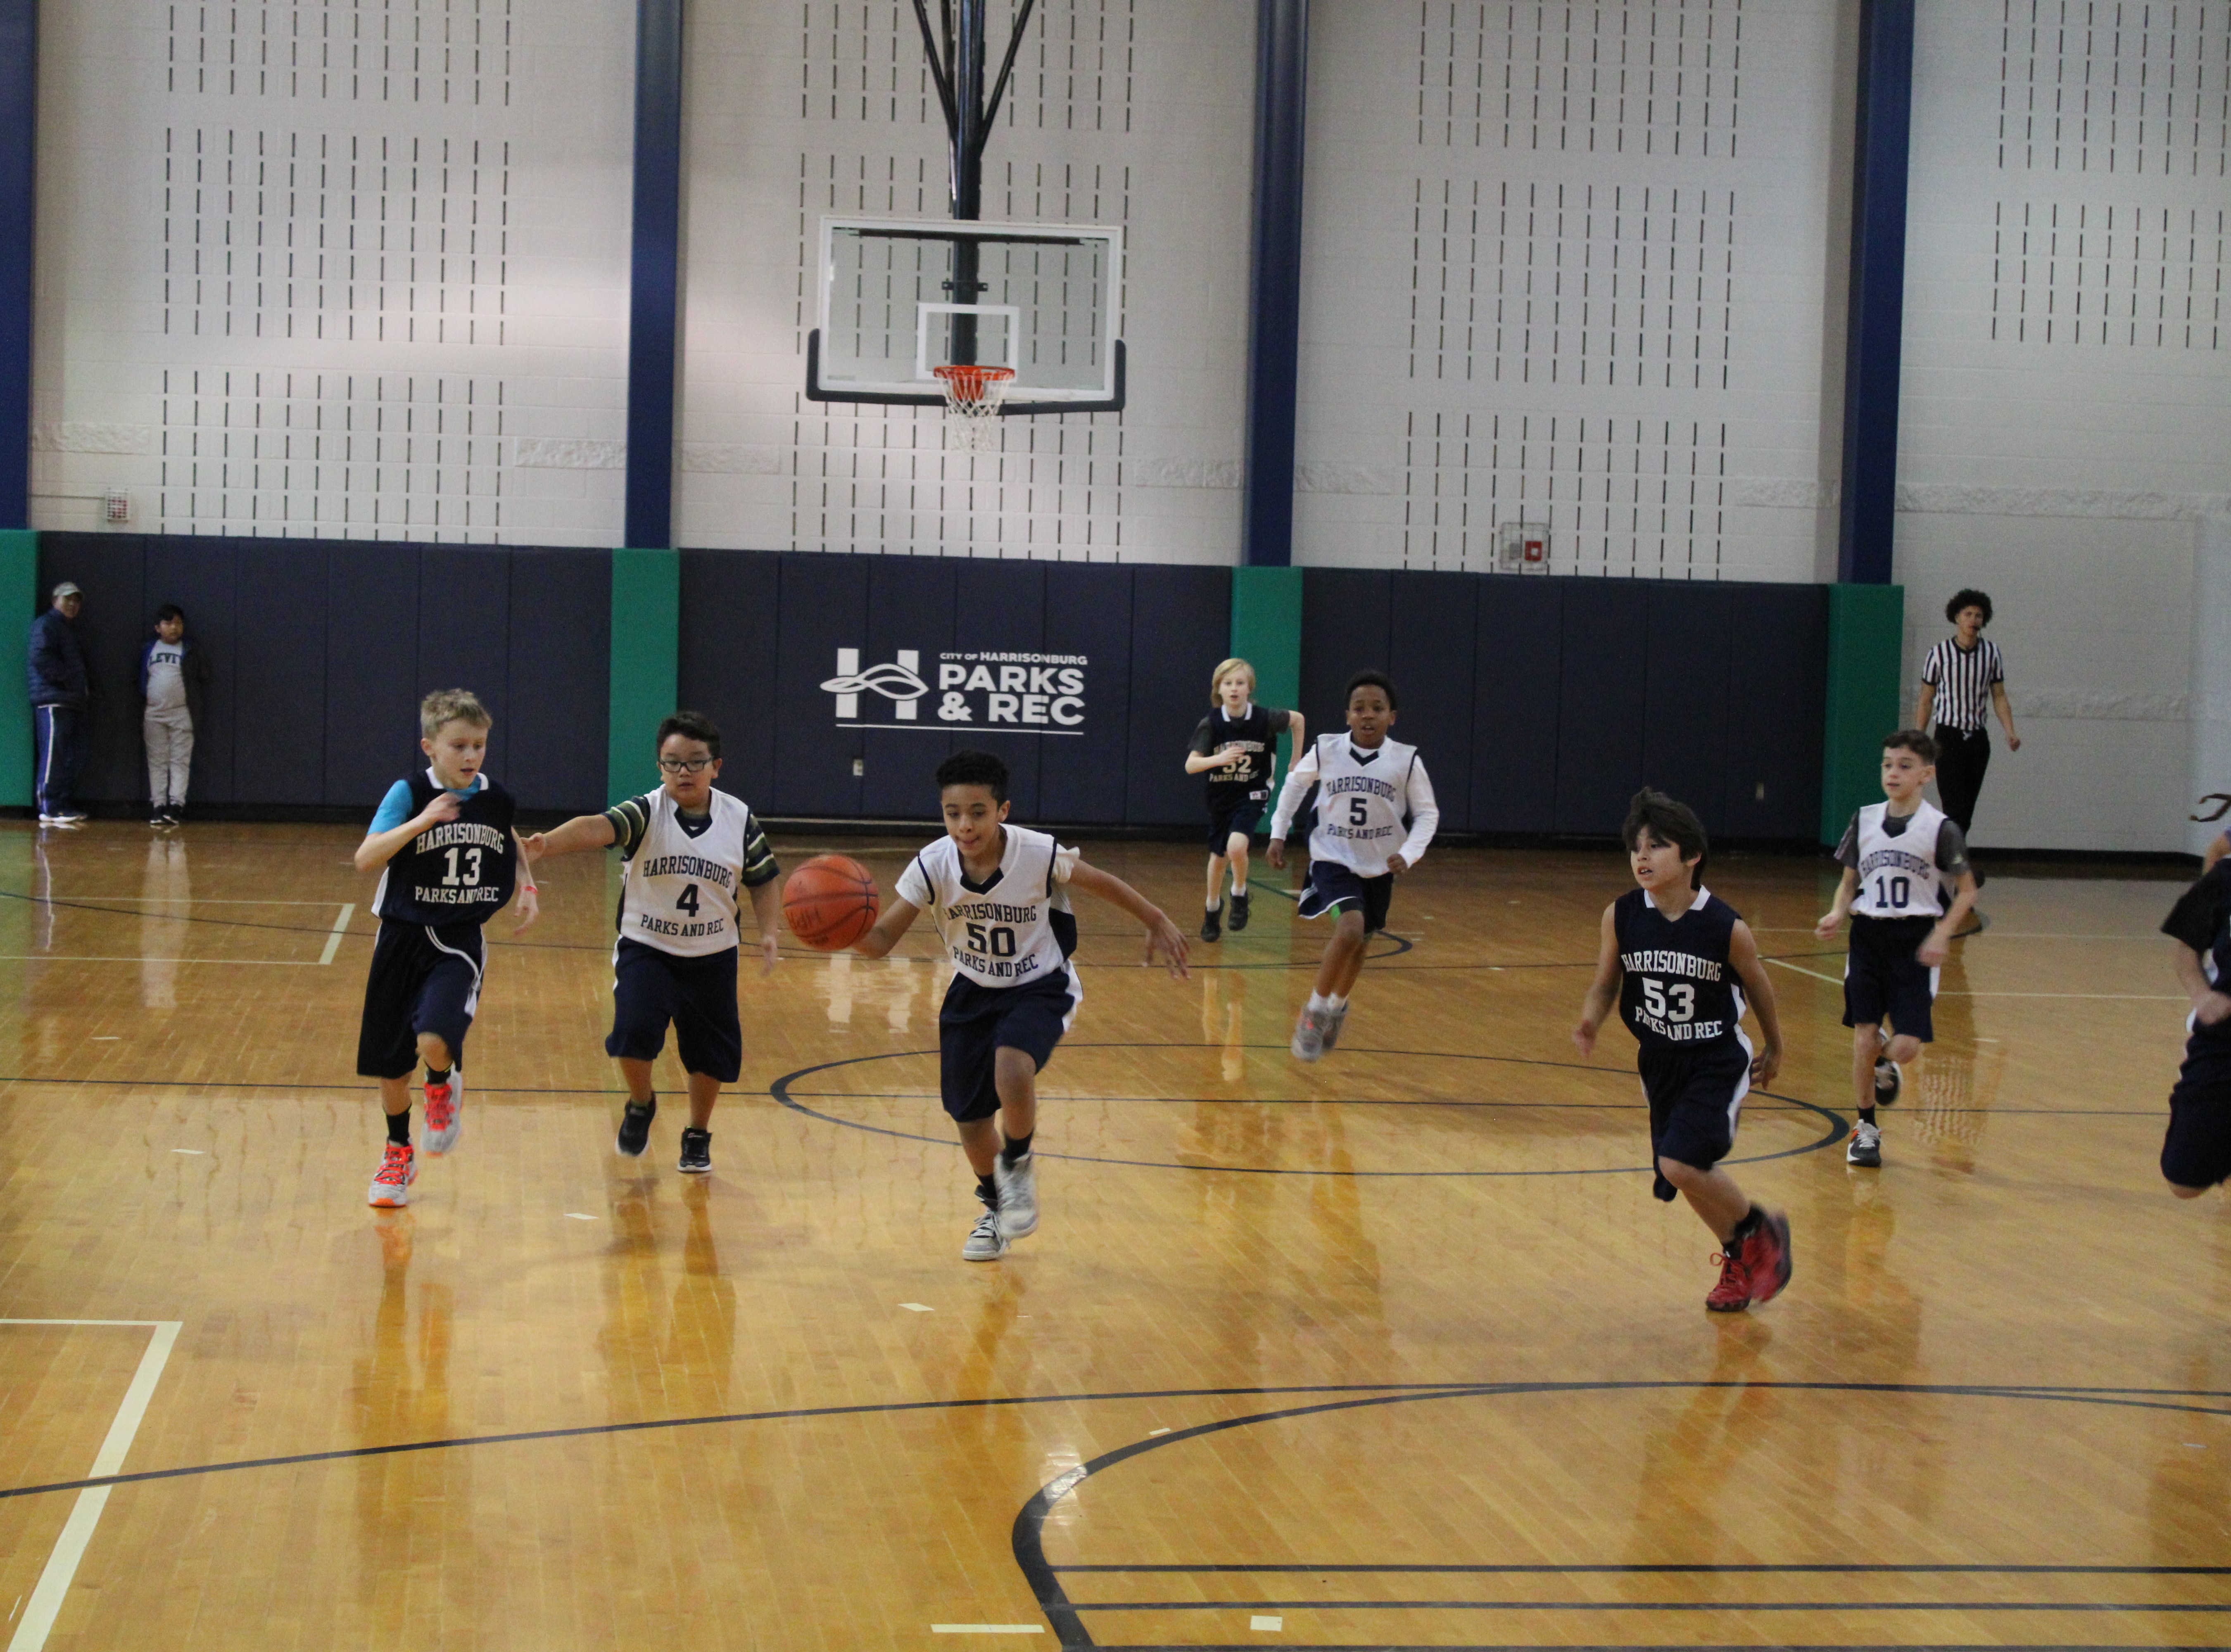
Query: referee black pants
x,y
1962,754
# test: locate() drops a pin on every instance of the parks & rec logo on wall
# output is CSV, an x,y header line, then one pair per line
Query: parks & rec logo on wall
x,y
988,691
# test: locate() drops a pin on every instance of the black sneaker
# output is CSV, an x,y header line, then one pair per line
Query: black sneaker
x,y
696,1151
635,1128
1211,927
1238,911
1888,1083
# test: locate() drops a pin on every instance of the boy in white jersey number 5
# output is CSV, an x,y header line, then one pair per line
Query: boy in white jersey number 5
x,y
1373,796
999,895
691,854
1900,858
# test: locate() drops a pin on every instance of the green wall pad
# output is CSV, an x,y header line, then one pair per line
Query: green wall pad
x,y
1266,632
19,594
1866,647
646,655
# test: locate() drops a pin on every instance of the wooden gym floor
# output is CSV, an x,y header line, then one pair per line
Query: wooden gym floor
x,y
1394,1351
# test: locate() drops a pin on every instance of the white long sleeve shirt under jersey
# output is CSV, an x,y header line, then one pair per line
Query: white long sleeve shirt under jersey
x,y
1366,791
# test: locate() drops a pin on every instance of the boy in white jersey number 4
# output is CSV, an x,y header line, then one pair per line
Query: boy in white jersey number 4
x,y
687,849
1900,857
1672,956
999,895
1366,785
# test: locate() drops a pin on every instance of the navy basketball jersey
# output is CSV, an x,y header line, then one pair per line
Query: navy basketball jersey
x,y
2202,920
459,872
1679,992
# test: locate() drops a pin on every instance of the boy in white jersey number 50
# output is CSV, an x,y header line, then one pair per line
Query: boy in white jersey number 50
x,y
999,895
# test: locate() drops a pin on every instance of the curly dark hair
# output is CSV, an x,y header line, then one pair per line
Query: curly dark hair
x,y
1378,679
1668,822
690,726
1970,599
974,769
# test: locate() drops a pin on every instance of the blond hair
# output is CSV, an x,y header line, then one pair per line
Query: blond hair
x,y
1216,681
452,706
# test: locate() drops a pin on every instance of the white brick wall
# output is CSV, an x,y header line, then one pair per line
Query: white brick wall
x,y
1566,263
315,269
2066,414
1137,112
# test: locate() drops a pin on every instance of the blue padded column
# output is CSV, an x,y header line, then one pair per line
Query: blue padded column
x,y
655,277
1875,325
1282,52
19,89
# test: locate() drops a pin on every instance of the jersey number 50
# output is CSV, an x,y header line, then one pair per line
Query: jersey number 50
x,y
997,940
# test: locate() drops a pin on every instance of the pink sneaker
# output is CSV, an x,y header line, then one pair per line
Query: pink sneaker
x,y
445,1106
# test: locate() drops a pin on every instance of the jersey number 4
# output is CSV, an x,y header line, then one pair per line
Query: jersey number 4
x,y
1675,1003
687,900
468,874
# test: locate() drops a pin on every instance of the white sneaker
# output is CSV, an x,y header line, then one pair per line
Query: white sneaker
x,y
1018,1195
986,1242
1888,1083
1335,1020
445,1114
1308,1043
1867,1146
398,1168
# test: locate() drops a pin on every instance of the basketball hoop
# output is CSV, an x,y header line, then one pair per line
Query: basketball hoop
x,y
972,395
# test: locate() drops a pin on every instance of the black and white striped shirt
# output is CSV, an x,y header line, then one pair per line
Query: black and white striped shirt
x,y
1963,679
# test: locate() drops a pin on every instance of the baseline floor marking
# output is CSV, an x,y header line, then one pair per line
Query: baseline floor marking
x,y
341,926
46,1603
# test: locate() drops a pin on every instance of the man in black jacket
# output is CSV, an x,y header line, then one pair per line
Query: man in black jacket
x,y
60,694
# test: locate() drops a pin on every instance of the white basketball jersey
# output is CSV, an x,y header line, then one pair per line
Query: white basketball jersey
x,y
1360,804
678,893
1015,929
1898,876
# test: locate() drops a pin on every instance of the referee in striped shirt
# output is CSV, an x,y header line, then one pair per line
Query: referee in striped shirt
x,y
1962,673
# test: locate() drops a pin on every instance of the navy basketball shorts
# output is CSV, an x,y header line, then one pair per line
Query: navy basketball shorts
x,y
1883,981
696,995
1696,1096
977,1022
424,978
1240,816
2196,1151
1334,888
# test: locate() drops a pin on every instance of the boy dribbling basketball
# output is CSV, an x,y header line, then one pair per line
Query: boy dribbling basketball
x,y
999,895
1367,784
686,849
448,858
1669,949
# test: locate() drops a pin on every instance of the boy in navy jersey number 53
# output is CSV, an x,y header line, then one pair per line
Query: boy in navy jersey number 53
x,y
1671,956
451,859
2196,1153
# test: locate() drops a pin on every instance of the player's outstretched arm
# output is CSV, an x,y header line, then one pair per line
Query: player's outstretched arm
x,y
1162,936
529,904
1603,989
1842,907
582,832
379,848
1743,952
897,918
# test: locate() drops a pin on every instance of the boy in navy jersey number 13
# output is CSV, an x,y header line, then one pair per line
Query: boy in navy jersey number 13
x,y
1671,956
999,895
451,857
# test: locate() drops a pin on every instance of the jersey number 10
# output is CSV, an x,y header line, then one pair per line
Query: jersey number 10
x,y
1893,892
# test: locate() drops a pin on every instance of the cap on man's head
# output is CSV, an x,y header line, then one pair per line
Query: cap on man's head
x,y
68,588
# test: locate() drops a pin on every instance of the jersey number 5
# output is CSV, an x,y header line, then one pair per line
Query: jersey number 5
x,y
471,868
1359,811
1675,1003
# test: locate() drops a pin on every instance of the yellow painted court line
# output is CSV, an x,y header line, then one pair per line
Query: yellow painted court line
x,y
46,1602
334,941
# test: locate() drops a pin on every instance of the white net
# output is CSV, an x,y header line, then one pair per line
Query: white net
x,y
972,395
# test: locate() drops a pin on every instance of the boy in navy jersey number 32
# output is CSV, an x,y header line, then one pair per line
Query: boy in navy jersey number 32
x,y
451,857
1672,954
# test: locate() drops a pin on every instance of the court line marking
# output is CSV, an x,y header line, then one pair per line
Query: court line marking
x,y
2132,998
341,926
987,1629
143,957
46,1602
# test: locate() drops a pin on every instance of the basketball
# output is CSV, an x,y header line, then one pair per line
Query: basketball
x,y
830,902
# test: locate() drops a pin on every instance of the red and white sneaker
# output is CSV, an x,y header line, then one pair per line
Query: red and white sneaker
x,y
445,1105
1765,1256
391,1188
1732,1294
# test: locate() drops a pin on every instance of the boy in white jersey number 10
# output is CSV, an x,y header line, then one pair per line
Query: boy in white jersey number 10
x,y
999,895
1372,795
1900,858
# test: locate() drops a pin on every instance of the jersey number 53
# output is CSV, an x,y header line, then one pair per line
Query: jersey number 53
x,y
1674,1003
